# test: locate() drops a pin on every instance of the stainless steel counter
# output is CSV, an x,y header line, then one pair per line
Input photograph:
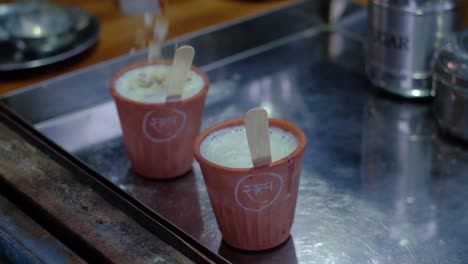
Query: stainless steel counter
x,y
379,184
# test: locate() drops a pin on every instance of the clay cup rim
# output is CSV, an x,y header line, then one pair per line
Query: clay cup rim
x,y
275,122
140,64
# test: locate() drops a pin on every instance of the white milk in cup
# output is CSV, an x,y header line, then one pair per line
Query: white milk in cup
x,y
228,147
149,84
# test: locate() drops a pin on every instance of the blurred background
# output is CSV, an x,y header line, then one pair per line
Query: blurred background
x,y
123,29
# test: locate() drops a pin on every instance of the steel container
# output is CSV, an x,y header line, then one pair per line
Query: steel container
x,y
402,38
451,86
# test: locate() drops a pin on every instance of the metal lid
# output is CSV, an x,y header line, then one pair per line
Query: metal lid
x,y
419,6
451,60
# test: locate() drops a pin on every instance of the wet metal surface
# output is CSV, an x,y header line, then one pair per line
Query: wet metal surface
x,y
24,241
379,184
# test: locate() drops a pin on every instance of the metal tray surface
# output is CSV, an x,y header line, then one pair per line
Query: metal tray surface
x,y
378,185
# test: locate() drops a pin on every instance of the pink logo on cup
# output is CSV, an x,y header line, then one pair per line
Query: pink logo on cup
x,y
162,125
257,192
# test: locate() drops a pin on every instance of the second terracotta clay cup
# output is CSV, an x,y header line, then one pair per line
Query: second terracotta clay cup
x,y
159,136
254,207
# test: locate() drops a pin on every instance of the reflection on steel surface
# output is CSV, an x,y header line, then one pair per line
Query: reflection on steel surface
x,y
285,253
402,167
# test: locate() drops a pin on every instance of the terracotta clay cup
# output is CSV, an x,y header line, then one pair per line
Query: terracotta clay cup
x,y
159,136
254,207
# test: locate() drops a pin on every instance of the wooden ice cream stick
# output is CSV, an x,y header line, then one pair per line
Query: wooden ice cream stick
x,y
181,65
258,136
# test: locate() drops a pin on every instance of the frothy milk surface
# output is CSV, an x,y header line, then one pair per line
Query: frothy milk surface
x,y
228,147
148,84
